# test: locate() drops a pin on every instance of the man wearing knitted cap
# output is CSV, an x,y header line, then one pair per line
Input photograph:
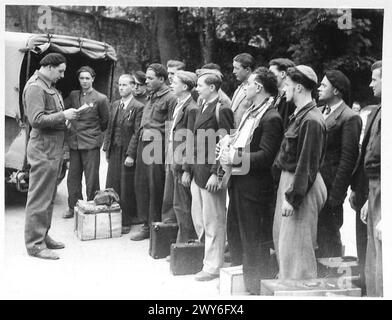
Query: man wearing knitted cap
x,y
85,137
45,113
343,132
367,190
302,193
150,156
179,175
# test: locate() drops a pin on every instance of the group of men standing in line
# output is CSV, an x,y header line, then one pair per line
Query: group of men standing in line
x,y
300,159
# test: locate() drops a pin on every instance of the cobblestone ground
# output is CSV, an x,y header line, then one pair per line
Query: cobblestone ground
x,y
101,269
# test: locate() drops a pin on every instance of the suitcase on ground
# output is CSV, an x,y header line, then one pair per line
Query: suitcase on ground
x,y
231,281
186,258
315,287
97,221
162,235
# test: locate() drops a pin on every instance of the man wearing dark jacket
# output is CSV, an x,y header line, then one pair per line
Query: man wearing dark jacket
x,y
208,199
120,145
150,167
367,190
343,132
85,137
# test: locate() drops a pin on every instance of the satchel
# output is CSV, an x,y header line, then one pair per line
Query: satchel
x,y
107,197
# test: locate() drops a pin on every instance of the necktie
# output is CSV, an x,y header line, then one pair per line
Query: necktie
x,y
327,110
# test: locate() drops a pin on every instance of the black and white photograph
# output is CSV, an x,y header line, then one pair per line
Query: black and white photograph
x,y
195,150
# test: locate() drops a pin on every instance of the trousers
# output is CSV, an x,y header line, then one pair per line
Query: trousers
x,y
209,219
45,156
149,186
87,162
373,266
295,237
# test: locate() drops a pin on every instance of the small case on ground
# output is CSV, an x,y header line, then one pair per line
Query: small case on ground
x,y
186,258
231,281
162,235
97,221
315,287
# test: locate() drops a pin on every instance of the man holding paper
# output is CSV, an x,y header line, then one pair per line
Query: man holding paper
x,y
85,137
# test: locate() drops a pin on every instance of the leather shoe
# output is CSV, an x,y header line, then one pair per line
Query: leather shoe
x,y
205,276
68,214
45,254
125,230
141,235
52,244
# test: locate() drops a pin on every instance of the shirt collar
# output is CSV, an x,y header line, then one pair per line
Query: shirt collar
x,y
44,79
162,91
126,101
298,115
335,106
181,102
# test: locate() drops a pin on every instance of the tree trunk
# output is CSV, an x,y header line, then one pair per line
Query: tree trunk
x,y
167,34
208,35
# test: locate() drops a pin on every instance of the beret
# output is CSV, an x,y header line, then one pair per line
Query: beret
x,y
338,80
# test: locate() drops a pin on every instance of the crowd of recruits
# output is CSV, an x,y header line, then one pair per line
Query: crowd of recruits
x,y
302,156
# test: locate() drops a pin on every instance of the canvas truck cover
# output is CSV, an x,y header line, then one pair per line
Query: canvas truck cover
x,y
17,44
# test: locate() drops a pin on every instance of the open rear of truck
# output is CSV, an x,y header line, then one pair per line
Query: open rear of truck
x,y
23,52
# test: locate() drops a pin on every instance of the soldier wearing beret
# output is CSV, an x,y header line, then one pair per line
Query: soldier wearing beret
x,y
45,113
343,131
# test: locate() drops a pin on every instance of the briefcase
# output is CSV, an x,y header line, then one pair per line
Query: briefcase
x,y
186,258
162,235
97,221
315,287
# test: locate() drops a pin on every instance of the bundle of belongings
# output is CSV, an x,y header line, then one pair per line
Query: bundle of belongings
x,y
99,218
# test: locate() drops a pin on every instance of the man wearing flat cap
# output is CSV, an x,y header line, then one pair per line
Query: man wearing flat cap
x,y
301,193
85,137
179,175
343,132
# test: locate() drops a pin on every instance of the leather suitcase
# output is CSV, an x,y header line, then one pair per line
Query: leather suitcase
x,y
315,287
186,258
162,235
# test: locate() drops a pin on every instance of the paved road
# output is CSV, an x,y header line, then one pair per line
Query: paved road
x,y
101,269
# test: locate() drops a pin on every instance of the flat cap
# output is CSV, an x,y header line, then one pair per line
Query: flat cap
x,y
308,72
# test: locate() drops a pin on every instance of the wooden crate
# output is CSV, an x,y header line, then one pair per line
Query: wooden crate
x,y
231,281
